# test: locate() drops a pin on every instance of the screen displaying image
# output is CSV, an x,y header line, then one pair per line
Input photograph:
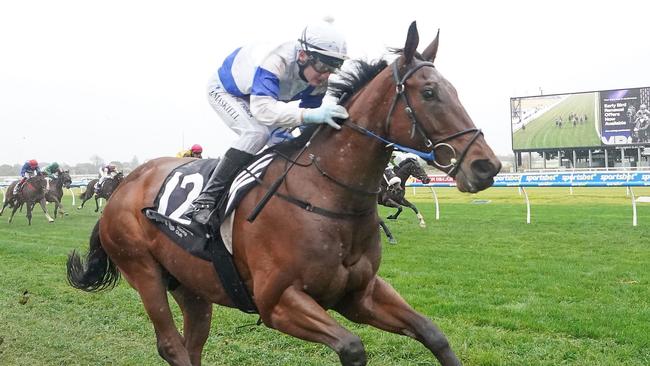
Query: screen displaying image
x,y
555,121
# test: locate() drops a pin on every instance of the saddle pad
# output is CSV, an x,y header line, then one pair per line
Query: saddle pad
x,y
176,194
182,186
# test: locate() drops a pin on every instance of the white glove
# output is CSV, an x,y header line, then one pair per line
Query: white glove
x,y
325,114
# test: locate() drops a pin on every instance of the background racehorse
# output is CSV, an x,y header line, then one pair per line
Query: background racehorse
x,y
315,246
395,197
55,193
33,191
105,191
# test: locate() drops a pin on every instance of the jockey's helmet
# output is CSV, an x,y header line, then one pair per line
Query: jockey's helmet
x,y
643,106
324,44
55,165
33,163
196,148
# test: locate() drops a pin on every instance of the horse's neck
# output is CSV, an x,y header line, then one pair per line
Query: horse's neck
x,y
359,155
352,158
403,173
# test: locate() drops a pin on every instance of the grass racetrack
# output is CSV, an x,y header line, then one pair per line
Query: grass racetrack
x,y
542,132
571,288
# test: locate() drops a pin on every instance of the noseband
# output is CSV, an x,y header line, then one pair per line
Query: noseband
x,y
400,93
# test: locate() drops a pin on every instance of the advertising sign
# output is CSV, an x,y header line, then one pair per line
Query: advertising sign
x,y
625,116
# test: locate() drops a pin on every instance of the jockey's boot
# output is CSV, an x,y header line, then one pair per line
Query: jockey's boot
x,y
204,206
18,186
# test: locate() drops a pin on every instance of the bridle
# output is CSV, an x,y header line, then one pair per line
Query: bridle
x,y
401,94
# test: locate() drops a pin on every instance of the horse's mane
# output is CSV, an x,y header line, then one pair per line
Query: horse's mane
x,y
348,83
406,161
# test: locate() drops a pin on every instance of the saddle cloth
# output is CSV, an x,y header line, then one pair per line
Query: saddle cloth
x,y
183,185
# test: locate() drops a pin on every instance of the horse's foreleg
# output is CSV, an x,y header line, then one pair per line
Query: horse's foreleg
x,y
417,212
297,314
96,203
396,214
47,215
197,315
382,307
147,280
29,213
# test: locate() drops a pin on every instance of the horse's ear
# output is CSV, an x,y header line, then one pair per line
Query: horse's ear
x,y
432,49
411,46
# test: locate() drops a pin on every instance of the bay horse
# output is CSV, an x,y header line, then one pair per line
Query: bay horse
x,y
32,192
299,261
105,191
396,197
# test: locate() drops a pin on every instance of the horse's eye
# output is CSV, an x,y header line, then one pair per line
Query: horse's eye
x,y
430,94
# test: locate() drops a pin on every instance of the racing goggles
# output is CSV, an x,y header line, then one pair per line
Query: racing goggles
x,y
324,64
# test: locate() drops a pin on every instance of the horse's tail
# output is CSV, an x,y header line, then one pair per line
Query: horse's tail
x,y
97,273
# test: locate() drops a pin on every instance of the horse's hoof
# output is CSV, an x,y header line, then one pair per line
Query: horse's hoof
x,y
424,226
391,218
392,241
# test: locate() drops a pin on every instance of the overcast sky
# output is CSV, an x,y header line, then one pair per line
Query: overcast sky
x,y
127,78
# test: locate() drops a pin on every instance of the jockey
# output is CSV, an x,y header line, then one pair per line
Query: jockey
x,y
105,172
195,151
251,92
51,171
29,169
392,180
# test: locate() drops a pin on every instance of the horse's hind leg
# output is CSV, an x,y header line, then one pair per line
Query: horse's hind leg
x,y
145,276
382,307
197,315
297,314
389,235
4,205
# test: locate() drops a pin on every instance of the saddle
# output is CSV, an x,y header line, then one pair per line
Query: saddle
x,y
178,191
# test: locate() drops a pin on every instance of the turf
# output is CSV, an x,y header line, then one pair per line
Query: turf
x,y
571,288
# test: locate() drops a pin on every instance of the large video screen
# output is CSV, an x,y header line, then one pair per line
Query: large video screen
x,y
590,119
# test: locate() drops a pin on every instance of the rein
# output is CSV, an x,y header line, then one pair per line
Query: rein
x,y
401,94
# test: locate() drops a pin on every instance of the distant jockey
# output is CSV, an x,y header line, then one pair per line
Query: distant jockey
x,y
105,172
29,169
392,180
195,151
51,171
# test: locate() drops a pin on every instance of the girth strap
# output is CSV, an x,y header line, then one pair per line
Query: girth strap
x,y
321,211
224,265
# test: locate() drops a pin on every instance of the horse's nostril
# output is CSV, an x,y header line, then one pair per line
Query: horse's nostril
x,y
485,169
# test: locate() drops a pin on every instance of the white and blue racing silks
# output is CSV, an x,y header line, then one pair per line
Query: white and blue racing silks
x,y
270,76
